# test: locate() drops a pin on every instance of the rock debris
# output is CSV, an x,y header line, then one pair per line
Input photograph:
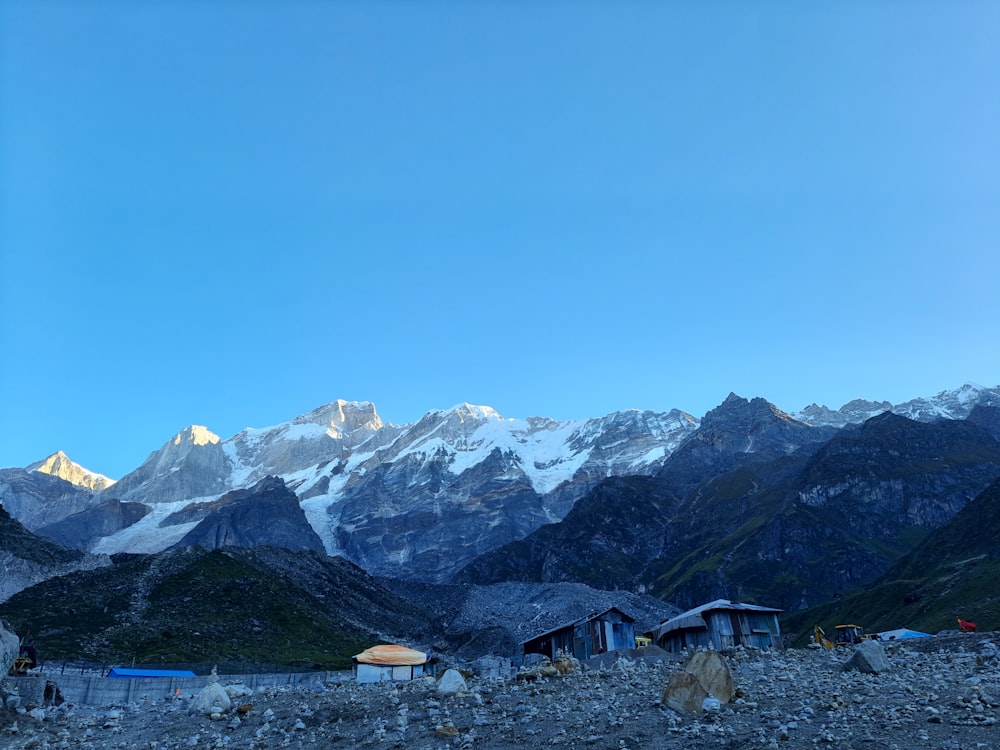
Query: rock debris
x,y
941,693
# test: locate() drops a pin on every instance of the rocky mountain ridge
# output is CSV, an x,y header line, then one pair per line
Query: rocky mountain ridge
x,y
60,465
789,527
26,559
424,499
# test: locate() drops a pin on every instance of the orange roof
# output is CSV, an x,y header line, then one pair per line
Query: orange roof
x,y
391,656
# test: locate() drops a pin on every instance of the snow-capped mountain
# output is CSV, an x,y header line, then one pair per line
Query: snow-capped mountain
x,y
954,404
415,500
59,465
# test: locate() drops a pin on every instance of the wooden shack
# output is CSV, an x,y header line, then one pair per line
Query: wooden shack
x,y
588,636
720,625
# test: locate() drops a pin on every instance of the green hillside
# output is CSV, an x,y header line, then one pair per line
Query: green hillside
x,y
221,606
952,573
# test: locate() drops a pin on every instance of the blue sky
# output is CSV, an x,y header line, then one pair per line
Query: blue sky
x,y
229,213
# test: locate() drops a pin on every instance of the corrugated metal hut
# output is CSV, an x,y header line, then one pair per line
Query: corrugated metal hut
x,y
389,662
720,625
594,634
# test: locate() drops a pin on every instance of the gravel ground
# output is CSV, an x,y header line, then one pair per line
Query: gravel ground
x,y
941,693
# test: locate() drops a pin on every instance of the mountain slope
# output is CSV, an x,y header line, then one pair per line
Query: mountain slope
x,y
60,465
416,501
37,499
257,606
952,404
951,573
789,530
267,514
82,530
422,500
27,559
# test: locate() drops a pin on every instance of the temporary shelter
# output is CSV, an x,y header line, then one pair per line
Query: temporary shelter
x,y
720,625
134,674
389,662
900,634
588,636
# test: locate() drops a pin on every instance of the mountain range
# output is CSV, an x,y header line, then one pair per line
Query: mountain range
x,y
664,502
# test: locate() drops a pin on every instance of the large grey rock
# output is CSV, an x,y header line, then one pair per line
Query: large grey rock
x,y
451,682
702,674
869,658
211,699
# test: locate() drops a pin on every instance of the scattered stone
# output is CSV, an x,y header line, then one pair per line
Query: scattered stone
x,y
789,700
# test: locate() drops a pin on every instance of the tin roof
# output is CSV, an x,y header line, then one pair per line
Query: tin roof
x,y
579,621
122,672
693,617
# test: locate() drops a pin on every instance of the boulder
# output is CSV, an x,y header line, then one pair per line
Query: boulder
x,y
211,699
869,658
451,682
702,675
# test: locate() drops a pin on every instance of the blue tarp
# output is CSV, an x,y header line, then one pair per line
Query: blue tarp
x,y
900,634
122,673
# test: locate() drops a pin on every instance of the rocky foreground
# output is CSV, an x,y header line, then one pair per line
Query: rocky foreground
x,y
941,693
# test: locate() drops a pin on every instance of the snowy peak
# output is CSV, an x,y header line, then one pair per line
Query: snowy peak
x,y
329,434
191,464
60,465
463,427
195,438
953,404
342,418
196,434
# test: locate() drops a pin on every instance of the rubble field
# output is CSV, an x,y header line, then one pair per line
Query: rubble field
x,y
941,693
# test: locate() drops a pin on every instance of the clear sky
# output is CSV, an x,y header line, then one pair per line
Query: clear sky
x,y
229,213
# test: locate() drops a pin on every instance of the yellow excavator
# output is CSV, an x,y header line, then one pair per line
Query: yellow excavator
x,y
27,658
846,635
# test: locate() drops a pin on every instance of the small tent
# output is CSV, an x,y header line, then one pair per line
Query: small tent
x,y
389,662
